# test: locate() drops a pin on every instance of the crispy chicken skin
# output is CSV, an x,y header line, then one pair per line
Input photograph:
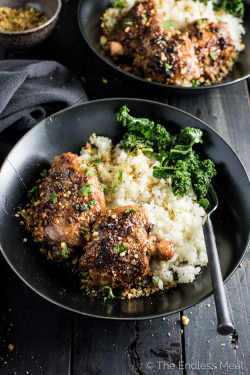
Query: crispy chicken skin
x,y
170,59
120,248
213,45
63,206
142,23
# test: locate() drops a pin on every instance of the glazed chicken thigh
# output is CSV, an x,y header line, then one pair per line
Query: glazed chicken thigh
x,y
68,199
120,248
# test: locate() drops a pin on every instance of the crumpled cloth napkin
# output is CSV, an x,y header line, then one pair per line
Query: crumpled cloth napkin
x,y
32,90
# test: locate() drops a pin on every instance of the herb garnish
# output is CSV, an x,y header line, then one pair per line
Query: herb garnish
x,y
200,22
90,204
130,210
127,21
120,248
33,192
120,175
213,56
195,82
110,292
85,229
90,171
104,187
167,24
113,187
168,67
86,189
53,197
64,250
44,173
118,4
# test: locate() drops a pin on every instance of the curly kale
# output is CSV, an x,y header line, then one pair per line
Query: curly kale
x,y
175,154
156,135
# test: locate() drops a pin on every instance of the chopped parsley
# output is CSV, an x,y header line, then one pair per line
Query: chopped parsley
x,y
90,204
195,82
200,22
120,175
113,187
104,187
110,292
64,250
91,172
144,17
44,173
120,248
168,67
53,197
127,21
155,282
118,4
85,229
33,192
213,56
86,190
167,24
130,210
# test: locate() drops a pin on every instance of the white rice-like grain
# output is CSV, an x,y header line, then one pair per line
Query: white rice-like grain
x,y
177,219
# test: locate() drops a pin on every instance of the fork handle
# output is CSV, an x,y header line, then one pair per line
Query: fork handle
x,y
225,326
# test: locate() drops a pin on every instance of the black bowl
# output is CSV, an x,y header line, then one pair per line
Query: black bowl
x,y
68,130
89,13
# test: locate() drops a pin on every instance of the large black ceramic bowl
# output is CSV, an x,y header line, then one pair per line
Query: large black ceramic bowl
x,y
89,13
68,130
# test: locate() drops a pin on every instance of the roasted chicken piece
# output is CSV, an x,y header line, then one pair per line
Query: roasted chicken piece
x,y
120,247
141,23
214,47
67,203
170,59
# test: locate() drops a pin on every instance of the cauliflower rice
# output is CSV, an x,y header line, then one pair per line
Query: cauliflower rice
x,y
177,219
181,12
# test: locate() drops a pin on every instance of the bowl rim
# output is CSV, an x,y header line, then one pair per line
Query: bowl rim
x,y
142,80
159,315
29,31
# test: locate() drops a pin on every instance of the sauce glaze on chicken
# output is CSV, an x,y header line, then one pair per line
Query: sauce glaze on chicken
x,y
68,216
201,54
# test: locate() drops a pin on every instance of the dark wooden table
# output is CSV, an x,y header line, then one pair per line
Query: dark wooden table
x,y
39,338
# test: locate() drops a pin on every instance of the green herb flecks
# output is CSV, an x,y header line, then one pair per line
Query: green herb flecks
x,y
120,176
127,21
167,24
33,192
118,4
85,229
53,198
86,189
64,250
104,187
213,56
44,173
90,171
195,82
130,210
109,291
200,22
168,67
113,187
90,205
120,248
